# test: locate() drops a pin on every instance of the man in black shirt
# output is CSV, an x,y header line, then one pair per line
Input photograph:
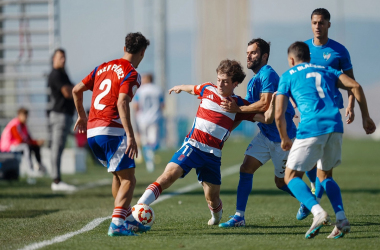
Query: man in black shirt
x,y
60,116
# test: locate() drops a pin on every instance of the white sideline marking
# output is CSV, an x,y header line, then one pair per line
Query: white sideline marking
x,y
96,222
64,237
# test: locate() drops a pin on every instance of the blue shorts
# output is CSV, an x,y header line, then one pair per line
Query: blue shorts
x,y
110,151
207,165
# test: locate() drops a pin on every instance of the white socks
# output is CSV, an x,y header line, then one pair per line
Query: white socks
x,y
316,209
117,221
151,194
239,213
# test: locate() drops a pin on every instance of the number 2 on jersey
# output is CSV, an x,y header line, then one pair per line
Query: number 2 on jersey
x,y
317,82
107,83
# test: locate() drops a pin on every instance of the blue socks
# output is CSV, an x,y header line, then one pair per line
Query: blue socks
x,y
312,174
243,190
333,192
286,189
318,189
302,192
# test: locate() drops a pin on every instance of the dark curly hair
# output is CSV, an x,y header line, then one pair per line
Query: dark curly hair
x,y
323,12
300,50
135,42
231,68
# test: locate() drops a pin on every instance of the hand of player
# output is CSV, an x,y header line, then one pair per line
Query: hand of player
x,y
176,89
229,105
286,144
351,115
81,124
368,125
131,150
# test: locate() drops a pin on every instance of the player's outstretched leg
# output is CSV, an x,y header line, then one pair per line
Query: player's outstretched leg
x,y
303,193
152,192
342,225
172,172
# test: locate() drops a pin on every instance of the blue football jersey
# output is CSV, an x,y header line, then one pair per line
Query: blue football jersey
x,y
266,81
331,54
312,87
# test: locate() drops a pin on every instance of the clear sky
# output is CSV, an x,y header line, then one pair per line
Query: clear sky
x,y
94,33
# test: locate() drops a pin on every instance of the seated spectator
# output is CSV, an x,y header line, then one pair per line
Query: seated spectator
x,y
16,138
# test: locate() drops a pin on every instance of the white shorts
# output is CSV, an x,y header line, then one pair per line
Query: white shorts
x,y
149,134
324,149
264,149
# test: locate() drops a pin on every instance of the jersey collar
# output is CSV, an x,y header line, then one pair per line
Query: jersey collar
x,y
320,46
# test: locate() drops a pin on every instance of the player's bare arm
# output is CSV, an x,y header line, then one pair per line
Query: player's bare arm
x,y
282,104
179,88
125,117
268,116
258,107
347,83
350,114
66,91
77,94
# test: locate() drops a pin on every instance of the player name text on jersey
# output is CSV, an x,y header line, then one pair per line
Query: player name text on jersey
x,y
117,68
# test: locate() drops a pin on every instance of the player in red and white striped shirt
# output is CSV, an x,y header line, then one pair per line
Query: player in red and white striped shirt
x,y
212,127
109,130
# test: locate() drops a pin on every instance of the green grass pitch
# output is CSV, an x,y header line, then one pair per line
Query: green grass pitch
x,y
33,213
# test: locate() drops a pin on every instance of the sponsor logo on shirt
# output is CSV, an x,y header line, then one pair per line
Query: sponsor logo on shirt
x,y
326,55
210,97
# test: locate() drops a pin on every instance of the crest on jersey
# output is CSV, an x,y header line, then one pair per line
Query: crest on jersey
x,y
326,55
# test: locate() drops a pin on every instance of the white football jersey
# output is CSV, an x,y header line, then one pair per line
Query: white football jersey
x,y
149,98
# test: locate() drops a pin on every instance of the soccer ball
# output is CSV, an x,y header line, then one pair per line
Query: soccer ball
x,y
143,214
